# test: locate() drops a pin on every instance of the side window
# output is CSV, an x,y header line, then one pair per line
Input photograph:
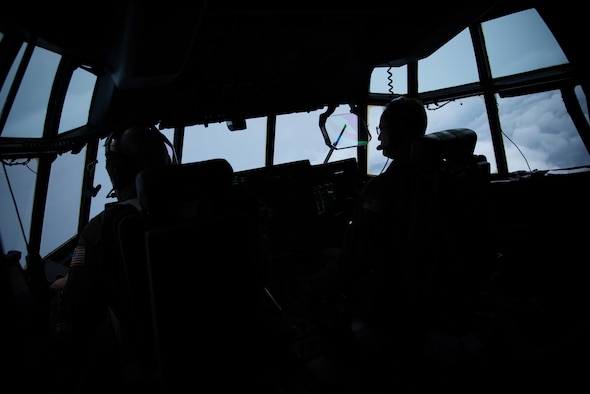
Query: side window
x,y
539,134
17,188
62,209
26,119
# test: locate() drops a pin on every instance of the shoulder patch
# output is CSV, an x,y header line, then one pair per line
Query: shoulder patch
x,y
79,256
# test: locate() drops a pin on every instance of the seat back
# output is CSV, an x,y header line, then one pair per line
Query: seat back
x,y
203,256
183,192
449,249
130,312
285,194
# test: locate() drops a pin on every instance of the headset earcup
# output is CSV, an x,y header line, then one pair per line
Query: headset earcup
x,y
121,169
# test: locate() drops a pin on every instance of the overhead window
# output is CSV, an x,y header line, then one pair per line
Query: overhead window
x,y
27,114
519,43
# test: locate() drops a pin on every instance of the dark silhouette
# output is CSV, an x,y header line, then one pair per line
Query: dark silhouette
x,y
376,236
89,292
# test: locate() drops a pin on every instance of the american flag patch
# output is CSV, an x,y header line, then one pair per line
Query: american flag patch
x,y
78,257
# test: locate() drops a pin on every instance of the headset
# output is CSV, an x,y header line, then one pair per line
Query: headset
x,y
121,168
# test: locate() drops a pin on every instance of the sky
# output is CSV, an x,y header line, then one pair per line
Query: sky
x,y
539,135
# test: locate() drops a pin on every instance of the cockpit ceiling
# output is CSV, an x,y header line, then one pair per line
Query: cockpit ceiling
x,y
206,61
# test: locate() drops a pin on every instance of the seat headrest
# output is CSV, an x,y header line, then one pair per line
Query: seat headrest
x,y
175,190
444,148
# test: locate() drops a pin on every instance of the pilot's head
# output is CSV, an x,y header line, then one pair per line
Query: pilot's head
x,y
403,120
130,151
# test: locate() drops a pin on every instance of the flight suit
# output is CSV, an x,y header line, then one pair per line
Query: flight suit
x,y
81,313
